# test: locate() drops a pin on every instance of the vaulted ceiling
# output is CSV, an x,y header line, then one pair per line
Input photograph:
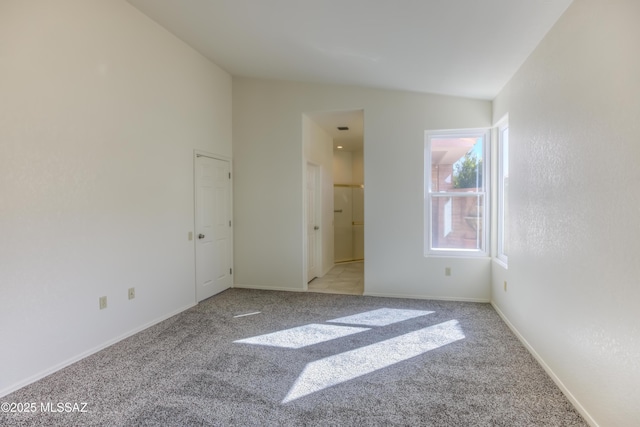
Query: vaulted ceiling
x,y
468,48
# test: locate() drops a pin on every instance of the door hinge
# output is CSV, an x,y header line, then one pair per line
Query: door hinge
x,y
229,175
229,223
231,271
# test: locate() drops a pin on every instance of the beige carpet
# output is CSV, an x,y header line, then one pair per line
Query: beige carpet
x,y
308,359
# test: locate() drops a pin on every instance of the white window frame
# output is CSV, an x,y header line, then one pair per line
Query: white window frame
x,y
429,251
502,126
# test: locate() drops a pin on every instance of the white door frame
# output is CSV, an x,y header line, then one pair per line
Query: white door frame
x,y
316,227
201,153
318,218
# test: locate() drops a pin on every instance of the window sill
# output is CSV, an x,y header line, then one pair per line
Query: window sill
x,y
501,263
458,256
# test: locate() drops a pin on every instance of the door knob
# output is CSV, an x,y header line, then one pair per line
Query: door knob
x,y
200,236
316,228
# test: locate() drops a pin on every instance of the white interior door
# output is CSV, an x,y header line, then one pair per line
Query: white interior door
x,y
213,226
312,222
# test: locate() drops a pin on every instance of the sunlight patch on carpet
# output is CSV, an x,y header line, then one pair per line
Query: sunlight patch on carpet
x,y
333,370
303,336
381,317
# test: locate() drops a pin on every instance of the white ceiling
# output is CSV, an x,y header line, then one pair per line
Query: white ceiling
x,y
468,48
351,139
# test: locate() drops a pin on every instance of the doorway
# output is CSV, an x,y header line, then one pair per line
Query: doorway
x,y
343,188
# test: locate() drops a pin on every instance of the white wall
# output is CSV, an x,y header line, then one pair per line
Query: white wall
x,y
101,110
342,167
357,166
318,149
268,201
573,277
348,167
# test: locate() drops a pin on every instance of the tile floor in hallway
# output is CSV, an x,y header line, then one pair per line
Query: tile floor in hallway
x,y
345,278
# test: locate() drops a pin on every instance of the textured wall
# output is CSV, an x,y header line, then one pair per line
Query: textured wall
x,y
573,277
100,111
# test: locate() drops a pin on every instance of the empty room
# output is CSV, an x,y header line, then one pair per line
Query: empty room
x,y
178,180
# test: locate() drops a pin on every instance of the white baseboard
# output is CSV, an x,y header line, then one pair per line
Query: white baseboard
x,y
87,353
385,295
267,288
547,369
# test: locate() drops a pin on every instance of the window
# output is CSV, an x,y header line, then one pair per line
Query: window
x,y
456,196
503,189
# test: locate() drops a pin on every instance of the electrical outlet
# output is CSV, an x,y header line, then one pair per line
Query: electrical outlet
x,y
505,286
103,302
447,271
132,293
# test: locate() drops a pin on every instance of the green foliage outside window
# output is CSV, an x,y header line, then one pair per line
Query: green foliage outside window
x,y
467,172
